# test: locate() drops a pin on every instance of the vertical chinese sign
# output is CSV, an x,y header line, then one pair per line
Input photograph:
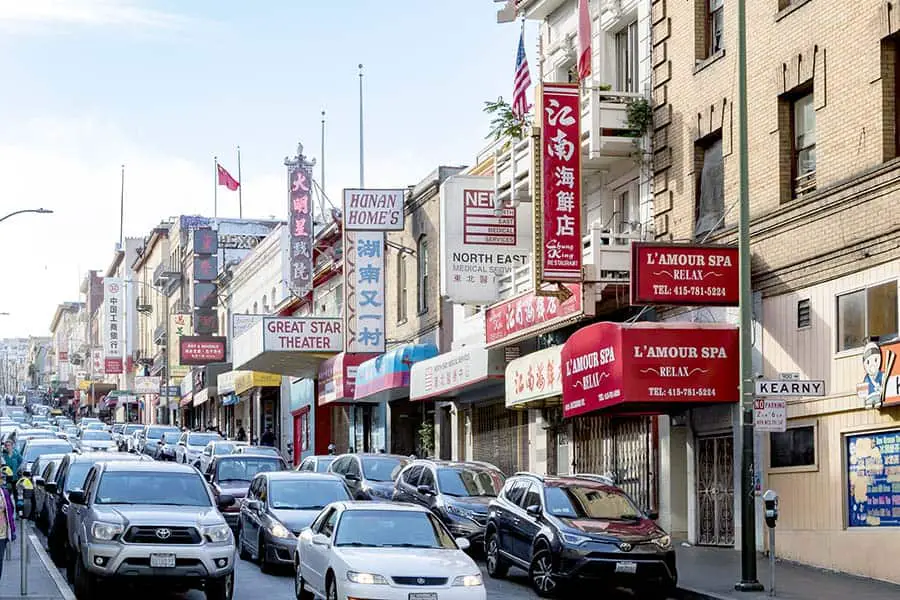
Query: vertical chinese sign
x,y
113,342
364,291
179,325
558,214
301,224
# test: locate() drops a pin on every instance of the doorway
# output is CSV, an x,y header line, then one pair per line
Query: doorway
x,y
715,490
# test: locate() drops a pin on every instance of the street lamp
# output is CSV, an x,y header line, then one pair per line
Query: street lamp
x,y
164,381
40,211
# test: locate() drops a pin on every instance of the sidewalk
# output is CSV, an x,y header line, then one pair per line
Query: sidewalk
x,y
710,573
44,581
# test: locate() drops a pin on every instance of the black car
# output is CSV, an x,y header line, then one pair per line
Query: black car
x,y
231,475
316,464
369,476
278,506
562,529
457,492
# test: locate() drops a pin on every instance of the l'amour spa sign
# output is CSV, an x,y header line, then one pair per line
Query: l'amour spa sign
x,y
684,274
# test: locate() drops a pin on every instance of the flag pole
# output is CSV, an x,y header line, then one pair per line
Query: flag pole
x,y
216,187
322,171
122,211
240,186
362,178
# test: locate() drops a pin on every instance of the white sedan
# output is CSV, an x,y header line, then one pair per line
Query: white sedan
x,y
385,551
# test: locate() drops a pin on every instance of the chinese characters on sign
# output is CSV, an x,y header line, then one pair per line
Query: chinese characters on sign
x,y
873,465
522,315
301,224
374,210
684,274
560,206
364,289
201,350
114,331
179,325
535,376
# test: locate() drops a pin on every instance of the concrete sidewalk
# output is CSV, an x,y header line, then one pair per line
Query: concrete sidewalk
x,y
710,573
44,581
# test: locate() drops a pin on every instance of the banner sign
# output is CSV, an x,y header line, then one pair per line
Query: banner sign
x,y
145,384
114,330
306,334
684,274
201,350
525,315
872,460
479,242
557,229
374,210
364,295
179,325
300,210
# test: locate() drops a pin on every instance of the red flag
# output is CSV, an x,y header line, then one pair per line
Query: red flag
x,y
226,179
584,40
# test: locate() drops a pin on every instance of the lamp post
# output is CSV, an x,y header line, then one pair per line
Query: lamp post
x,y
40,211
164,380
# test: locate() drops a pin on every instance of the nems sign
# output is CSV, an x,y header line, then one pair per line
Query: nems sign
x,y
684,274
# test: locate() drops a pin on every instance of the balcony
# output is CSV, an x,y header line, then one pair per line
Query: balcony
x,y
159,362
166,277
144,306
537,9
159,335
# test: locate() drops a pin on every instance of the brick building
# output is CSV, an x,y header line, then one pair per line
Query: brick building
x,y
823,142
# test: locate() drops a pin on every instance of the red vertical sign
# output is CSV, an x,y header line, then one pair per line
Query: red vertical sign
x,y
561,252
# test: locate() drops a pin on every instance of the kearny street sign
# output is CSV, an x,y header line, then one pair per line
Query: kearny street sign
x,y
767,387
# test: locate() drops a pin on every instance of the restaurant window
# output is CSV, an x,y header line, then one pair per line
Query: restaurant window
x,y
872,499
803,314
795,447
867,313
710,185
627,59
401,288
422,273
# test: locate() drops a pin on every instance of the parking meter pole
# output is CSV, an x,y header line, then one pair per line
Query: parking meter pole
x,y
770,501
771,561
23,557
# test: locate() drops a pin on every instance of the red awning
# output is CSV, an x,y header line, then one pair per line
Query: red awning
x,y
649,368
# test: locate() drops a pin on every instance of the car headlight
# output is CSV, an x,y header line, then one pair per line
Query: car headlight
x,y
664,542
577,540
366,578
468,580
218,534
105,532
280,531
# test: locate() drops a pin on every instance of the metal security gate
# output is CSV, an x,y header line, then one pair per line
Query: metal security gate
x,y
622,448
500,437
715,490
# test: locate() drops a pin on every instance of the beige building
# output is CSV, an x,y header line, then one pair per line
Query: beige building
x,y
822,83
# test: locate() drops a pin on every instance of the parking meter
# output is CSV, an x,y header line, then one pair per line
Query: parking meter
x,y
770,499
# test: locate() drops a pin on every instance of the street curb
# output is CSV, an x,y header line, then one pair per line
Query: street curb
x,y
684,593
64,590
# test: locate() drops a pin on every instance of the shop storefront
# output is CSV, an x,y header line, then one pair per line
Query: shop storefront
x,y
303,418
336,395
232,411
383,418
261,392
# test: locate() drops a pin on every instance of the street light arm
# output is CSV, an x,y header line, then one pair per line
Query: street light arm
x,y
41,211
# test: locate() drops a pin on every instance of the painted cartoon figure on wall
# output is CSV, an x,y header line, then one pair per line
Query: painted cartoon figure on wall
x,y
880,384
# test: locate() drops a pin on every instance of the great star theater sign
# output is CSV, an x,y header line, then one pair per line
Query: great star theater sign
x,y
684,274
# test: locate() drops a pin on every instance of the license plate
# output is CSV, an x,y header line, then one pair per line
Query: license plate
x,y
626,567
166,561
423,596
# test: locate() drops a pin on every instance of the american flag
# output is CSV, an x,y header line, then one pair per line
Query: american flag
x,y
522,81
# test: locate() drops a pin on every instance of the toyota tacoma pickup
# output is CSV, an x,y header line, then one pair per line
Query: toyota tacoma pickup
x,y
153,524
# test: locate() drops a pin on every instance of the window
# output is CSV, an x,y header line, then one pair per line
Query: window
x,y
265,304
627,59
401,287
866,313
411,477
803,314
328,525
890,96
427,478
715,26
710,185
795,447
422,272
532,497
803,126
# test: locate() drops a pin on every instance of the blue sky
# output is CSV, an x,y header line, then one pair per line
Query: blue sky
x,y
164,85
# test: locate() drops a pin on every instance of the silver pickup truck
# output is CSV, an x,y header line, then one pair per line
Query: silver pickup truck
x,y
154,524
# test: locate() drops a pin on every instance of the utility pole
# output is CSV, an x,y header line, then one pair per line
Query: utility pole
x,y
748,582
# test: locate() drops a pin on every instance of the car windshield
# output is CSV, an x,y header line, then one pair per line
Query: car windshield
x,y
149,487
382,468
32,451
202,439
469,482
245,468
94,426
304,494
385,528
129,429
155,433
266,450
588,502
96,436
323,463
220,449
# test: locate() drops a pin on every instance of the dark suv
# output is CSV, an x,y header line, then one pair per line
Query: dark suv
x,y
561,529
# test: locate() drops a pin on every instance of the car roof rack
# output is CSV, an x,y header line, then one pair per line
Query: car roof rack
x,y
529,474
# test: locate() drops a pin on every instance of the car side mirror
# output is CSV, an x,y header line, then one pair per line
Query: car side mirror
x,y
50,487
209,477
653,515
320,539
253,505
77,497
226,500
534,510
425,490
463,543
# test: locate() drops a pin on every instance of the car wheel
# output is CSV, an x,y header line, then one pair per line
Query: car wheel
x,y
221,588
540,574
300,591
242,547
331,589
263,555
496,566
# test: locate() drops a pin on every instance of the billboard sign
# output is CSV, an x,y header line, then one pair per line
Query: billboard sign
x,y
114,326
374,210
201,349
364,291
300,209
684,274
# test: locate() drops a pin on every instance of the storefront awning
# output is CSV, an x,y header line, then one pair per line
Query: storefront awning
x,y
649,368
534,380
293,346
337,377
453,373
246,380
201,396
386,377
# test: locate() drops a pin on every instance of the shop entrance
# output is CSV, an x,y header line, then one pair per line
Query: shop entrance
x,y
500,437
715,490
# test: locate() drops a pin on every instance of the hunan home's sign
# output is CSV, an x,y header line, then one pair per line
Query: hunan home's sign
x,y
684,274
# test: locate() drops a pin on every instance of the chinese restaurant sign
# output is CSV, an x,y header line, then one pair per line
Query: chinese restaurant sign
x,y
873,465
535,376
179,325
523,315
644,367
201,349
364,291
557,229
304,334
374,210
113,341
301,232
684,274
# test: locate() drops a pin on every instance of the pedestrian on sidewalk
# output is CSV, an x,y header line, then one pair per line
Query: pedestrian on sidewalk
x,y
7,519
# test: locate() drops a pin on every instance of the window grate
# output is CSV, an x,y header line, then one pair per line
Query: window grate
x,y
803,314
